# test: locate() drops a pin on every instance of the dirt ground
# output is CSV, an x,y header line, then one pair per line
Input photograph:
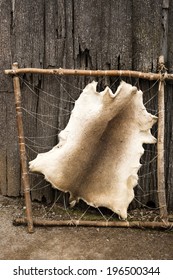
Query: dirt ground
x,y
77,243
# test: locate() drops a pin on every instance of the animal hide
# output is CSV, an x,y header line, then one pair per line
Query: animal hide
x,y
98,154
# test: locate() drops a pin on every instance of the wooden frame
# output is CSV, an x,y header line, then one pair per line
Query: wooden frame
x,y
162,76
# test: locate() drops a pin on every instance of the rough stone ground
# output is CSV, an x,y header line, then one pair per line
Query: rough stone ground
x,y
77,243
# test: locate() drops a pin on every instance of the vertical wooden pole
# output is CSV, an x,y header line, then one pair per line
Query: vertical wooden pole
x,y
22,150
160,147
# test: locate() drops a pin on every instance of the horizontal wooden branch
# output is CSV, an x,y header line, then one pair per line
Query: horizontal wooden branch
x,y
80,72
126,224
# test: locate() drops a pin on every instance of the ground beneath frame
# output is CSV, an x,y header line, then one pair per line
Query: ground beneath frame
x,y
78,243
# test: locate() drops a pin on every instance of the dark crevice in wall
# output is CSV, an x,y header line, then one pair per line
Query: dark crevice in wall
x,y
84,59
119,63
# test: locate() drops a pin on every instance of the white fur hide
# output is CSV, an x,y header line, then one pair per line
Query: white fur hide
x,y
98,154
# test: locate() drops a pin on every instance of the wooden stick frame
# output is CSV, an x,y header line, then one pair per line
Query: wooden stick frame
x,y
161,76
80,72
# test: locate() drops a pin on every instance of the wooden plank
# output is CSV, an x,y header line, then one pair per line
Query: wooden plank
x,y
28,48
147,25
13,162
3,139
169,115
169,63
169,145
164,33
108,44
9,164
3,96
47,109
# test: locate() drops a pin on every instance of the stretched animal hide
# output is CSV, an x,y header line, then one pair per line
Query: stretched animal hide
x,y
98,154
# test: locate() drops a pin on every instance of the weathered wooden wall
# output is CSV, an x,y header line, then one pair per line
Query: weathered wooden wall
x,y
92,34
